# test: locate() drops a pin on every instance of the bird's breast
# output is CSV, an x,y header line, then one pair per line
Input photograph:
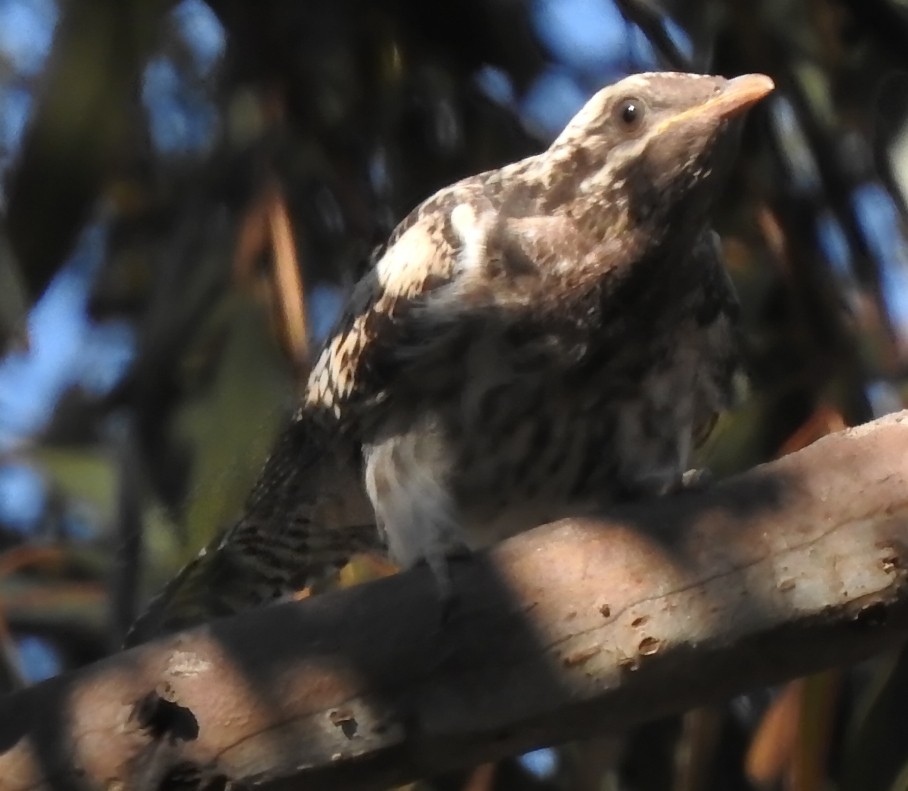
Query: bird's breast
x,y
527,447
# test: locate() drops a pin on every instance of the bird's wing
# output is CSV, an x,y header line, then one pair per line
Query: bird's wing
x,y
457,261
421,257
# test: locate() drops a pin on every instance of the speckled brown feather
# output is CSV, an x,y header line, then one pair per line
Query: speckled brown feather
x,y
535,341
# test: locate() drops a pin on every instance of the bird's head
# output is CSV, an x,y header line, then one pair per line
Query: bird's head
x,y
652,146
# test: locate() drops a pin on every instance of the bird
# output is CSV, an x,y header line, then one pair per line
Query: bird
x,y
537,341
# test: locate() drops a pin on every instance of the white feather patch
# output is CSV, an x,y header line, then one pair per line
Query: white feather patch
x,y
473,230
407,479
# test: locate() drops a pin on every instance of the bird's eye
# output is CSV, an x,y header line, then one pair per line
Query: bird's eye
x,y
629,114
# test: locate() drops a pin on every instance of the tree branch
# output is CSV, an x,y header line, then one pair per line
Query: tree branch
x,y
581,626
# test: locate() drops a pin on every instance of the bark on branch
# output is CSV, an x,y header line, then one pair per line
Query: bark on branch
x,y
577,627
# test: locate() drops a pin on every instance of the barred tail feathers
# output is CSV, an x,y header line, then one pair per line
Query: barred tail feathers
x,y
304,520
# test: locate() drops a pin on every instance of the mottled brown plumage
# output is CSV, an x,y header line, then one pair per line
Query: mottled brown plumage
x,y
536,341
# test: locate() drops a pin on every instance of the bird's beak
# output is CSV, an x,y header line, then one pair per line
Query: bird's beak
x,y
736,97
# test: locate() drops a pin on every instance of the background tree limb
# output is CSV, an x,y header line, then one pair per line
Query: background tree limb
x,y
581,626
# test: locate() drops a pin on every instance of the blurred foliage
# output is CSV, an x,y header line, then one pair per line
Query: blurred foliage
x,y
216,161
